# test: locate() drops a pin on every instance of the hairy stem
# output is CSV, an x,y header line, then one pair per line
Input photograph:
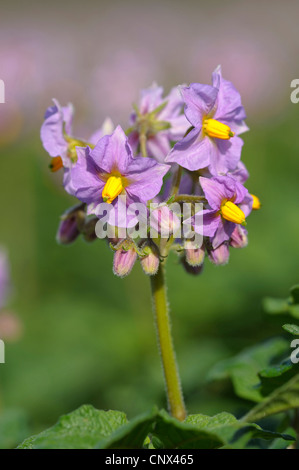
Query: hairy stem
x,y
176,182
142,141
172,379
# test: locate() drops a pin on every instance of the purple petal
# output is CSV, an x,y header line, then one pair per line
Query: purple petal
x,y
215,191
227,156
113,153
106,129
150,98
146,176
240,173
232,188
52,131
199,101
193,151
223,233
246,204
229,106
179,127
158,146
85,183
174,105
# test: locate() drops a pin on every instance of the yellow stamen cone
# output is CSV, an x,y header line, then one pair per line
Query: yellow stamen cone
x,y
233,213
217,129
112,189
256,205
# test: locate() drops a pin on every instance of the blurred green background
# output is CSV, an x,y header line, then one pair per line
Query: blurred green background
x,y
87,336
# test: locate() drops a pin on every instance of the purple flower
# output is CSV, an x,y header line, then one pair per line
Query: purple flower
x,y
4,278
217,115
57,139
161,120
54,131
110,170
229,204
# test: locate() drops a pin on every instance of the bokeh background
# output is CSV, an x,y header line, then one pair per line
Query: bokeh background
x,y
75,333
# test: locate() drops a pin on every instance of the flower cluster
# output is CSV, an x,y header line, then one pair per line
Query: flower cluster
x,y
177,151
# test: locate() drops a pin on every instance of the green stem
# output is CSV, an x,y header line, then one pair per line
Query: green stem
x,y
188,198
176,182
142,141
172,379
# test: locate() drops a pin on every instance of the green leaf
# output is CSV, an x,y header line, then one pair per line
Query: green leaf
x,y
282,398
281,443
275,306
288,306
131,435
81,429
295,294
205,432
88,428
293,329
243,369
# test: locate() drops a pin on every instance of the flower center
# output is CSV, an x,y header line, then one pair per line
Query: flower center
x,y
217,129
112,189
256,205
231,212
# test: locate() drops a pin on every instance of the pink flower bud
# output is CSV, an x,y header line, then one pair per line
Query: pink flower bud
x,y
219,255
164,221
194,256
239,237
150,263
124,261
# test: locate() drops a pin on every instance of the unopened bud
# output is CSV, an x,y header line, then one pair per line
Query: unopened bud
x,y
194,255
219,255
150,262
72,222
164,221
124,261
239,237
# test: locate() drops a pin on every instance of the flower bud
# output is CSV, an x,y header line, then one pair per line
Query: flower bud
x,y
71,225
67,231
164,221
219,255
194,256
150,262
239,237
124,261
